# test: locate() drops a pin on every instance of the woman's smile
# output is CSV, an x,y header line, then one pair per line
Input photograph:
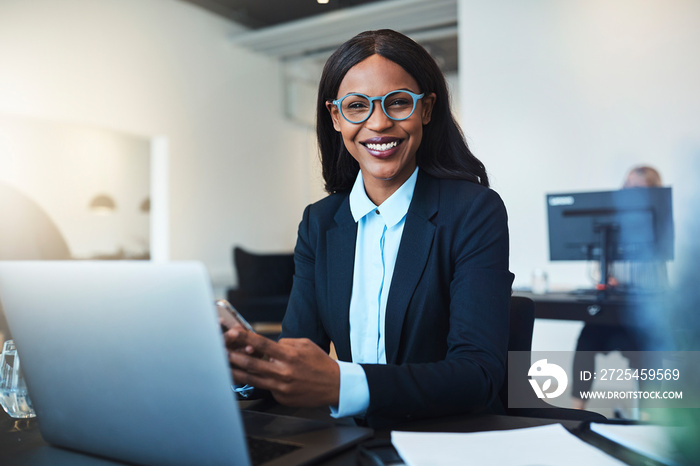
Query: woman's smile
x,y
382,147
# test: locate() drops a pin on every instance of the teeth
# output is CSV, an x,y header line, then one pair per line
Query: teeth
x,y
382,147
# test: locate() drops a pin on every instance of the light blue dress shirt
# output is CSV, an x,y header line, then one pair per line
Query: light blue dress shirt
x,y
379,230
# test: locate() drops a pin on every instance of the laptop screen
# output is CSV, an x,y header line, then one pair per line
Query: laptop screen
x,y
125,359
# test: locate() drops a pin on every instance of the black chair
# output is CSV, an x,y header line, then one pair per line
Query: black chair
x,y
522,322
264,285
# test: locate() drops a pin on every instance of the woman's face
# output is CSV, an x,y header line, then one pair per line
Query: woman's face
x,y
384,148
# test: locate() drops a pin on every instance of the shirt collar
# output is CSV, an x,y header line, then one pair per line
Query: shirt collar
x,y
392,210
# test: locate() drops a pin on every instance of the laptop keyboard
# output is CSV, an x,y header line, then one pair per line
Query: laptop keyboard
x,y
263,450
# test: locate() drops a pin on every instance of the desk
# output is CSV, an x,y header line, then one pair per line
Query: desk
x,y
21,442
617,310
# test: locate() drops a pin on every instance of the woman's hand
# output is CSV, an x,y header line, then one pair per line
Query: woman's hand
x,y
296,371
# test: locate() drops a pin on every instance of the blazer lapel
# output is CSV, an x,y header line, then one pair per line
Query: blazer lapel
x,y
414,251
341,264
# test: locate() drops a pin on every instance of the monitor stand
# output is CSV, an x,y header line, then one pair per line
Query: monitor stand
x,y
606,256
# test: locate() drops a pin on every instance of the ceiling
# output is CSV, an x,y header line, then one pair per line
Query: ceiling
x,y
263,15
257,14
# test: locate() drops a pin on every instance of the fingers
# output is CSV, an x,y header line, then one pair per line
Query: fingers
x,y
242,377
295,342
282,392
253,343
236,336
250,363
265,374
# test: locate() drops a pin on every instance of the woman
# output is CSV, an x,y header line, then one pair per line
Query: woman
x,y
404,266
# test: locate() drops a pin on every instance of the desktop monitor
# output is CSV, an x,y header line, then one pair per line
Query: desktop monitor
x,y
629,224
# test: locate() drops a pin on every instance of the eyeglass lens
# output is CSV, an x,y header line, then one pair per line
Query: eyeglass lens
x,y
397,105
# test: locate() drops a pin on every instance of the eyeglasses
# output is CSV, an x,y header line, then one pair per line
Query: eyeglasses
x,y
397,105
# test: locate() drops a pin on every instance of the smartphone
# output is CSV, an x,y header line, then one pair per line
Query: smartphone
x,y
231,317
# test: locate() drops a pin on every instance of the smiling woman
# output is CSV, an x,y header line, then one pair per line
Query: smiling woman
x,y
443,154
383,143
404,267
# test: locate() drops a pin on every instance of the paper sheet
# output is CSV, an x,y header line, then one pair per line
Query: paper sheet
x,y
652,441
550,445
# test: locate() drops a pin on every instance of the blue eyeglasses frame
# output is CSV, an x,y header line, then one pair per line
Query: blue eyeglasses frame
x,y
381,99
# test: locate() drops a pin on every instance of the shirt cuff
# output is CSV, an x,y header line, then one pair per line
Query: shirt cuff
x,y
353,399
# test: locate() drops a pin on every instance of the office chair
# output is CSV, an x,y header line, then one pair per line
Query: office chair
x,y
264,286
522,322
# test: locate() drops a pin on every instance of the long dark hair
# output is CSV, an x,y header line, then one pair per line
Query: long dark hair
x,y
443,152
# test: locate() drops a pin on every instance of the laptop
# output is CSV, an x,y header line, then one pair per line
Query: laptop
x,y
125,360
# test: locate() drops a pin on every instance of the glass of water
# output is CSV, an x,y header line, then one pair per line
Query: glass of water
x,y
13,391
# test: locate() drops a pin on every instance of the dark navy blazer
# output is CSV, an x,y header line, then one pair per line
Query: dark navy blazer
x,y
446,327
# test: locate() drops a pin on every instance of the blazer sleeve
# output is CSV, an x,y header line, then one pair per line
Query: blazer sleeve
x,y
302,320
471,255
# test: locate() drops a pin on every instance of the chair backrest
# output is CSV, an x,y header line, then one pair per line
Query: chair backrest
x,y
263,274
522,322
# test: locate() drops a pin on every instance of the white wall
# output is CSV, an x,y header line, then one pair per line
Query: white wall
x,y
564,96
238,170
